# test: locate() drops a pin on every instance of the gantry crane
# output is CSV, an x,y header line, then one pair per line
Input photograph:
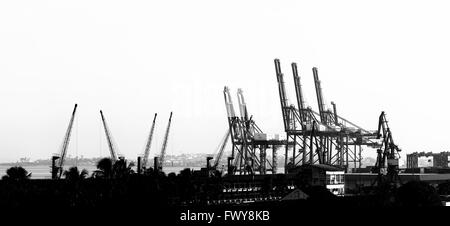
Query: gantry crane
x,y
57,170
148,144
159,162
111,144
318,137
249,143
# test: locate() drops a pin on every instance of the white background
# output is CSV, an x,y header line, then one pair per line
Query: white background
x,y
135,58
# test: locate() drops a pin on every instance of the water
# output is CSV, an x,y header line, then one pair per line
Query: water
x,y
44,171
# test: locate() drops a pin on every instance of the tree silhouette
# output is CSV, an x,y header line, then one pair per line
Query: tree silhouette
x,y
107,169
418,193
73,174
104,168
16,173
121,169
444,188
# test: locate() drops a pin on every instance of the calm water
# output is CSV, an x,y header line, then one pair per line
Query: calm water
x,y
43,171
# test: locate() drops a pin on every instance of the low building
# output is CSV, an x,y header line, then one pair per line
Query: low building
x,y
333,178
439,160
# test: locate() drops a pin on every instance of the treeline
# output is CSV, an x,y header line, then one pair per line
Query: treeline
x,y
116,185
113,184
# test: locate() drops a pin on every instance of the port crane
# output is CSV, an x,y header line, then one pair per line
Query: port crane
x,y
249,143
148,144
220,151
57,170
111,144
159,161
321,137
386,165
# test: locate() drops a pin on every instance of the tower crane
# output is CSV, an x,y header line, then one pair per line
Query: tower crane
x,y
57,171
111,145
148,144
164,146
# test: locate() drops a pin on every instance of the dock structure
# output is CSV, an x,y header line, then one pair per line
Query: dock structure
x,y
312,138
321,137
251,147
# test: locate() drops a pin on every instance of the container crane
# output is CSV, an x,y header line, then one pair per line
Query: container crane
x,y
57,171
111,145
148,144
234,124
160,162
249,143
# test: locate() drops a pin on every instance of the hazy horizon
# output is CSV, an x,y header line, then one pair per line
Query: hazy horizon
x,y
134,59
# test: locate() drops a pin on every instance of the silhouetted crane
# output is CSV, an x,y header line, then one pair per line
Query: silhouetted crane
x,y
148,144
164,146
57,171
222,146
111,145
388,154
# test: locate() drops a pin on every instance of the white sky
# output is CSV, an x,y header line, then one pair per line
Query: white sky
x,y
134,58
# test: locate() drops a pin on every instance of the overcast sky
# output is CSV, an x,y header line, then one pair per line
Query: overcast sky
x,y
134,58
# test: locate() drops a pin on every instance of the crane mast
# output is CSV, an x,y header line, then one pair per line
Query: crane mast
x,y
148,144
164,146
111,145
65,143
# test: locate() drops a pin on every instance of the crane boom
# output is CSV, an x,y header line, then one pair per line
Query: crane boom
x,y
109,139
228,102
281,86
242,104
149,142
65,144
319,94
283,97
164,146
223,144
298,91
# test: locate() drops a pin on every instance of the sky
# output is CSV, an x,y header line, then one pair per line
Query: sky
x,y
132,59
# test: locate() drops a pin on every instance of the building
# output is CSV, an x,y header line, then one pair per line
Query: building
x,y
439,160
333,178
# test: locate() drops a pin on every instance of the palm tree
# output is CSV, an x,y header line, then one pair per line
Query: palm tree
x,y
104,168
16,173
73,174
107,169
121,169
